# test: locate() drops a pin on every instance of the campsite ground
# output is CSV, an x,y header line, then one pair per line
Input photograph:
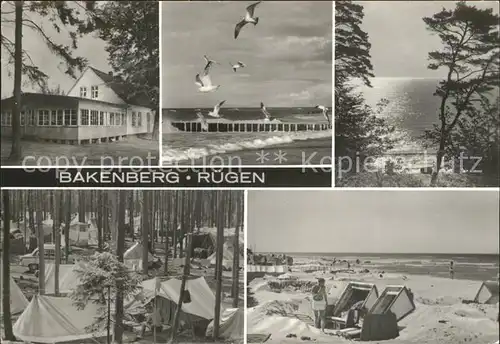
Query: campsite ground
x,y
133,151
29,285
439,317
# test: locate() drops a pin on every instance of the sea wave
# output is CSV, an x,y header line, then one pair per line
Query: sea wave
x,y
234,143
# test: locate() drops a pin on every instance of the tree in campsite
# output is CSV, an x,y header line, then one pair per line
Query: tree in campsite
x,y
470,58
100,274
77,19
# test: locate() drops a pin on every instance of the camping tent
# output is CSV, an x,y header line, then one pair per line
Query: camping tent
x,y
231,324
80,234
396,299
68,278
133,256
18,301
206,238
488,292
50,319
202,298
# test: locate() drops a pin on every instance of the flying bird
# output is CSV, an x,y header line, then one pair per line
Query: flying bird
x,y
205,83
264,111
209,62
203,120
325,112
237,65
248,18
215,112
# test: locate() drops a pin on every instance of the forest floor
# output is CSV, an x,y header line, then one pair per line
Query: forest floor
x,y
132,151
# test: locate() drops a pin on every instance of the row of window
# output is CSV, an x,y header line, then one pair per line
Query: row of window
x,y
94,92
68,117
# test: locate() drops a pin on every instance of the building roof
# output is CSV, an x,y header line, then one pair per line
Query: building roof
x,y
122,89
53,100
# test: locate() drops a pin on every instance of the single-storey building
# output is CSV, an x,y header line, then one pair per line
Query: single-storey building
x,y
96,109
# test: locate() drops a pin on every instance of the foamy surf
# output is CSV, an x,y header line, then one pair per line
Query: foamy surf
x,y
217,143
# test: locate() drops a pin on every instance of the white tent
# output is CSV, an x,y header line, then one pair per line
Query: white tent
x,y
133,256
202,298
68,278
50,319
18,301
231,324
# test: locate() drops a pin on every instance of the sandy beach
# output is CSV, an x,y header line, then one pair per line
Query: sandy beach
x,y
439,317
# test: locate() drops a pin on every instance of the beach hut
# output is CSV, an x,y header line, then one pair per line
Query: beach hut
x,y
49,319
488,293
396,299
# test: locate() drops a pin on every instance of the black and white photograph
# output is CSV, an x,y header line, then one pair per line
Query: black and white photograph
x,y
416,94
246,83
374,266
122,266
80,83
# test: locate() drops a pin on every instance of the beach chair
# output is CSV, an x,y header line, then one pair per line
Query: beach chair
x,y
258,337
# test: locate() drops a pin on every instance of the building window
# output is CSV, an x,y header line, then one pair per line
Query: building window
x,y
124,119
53,118
43,117
7,119
139,119
133,118
70,117
94,92
60,117
23,118
83,92
111,118
101,118
31,117
94,117
84,113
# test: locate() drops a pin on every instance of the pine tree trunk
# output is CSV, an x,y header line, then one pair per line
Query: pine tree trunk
x,y
66,227
175,224
7,318
145,231
185,276
57,241
99,220
120,249
16,149
236,253
81,206
131,214
167,230
219,257
41,241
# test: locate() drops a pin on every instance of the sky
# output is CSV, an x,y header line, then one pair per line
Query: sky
x,y
89,47
288,54
399,38
373,221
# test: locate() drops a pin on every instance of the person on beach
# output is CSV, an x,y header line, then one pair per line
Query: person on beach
x,y
319,304
452,271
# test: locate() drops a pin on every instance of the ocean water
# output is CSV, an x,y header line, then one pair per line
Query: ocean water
x,y
182,147
412,109
477,267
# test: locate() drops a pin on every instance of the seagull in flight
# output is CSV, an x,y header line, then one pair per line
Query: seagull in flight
x,y
209,62
324,109
204,82
203,120
215,112
248,18
264,111
237,65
